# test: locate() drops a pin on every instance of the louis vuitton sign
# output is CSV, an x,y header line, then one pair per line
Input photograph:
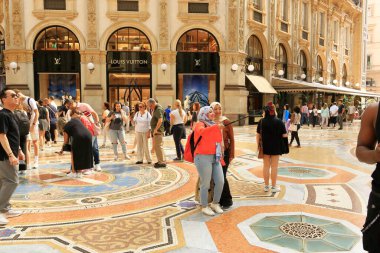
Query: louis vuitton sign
x,y
129,62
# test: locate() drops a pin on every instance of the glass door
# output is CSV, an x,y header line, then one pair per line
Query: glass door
x,y
128,88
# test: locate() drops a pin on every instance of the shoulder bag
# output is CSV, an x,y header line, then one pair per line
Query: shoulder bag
x,y
260,148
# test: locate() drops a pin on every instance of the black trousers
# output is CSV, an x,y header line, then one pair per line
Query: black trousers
x,y
23,148
294,135
178,132
371,237
226,198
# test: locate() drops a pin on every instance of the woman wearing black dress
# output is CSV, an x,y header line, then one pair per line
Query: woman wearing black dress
x,y
81,145
270,131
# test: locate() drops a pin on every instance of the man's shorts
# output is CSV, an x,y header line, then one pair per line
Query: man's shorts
x,y
34,134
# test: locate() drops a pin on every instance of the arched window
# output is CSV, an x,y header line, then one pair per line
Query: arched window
x,y
128,39
56,38
344,75
302,62
319,72
254,51
332,72
197,40
281,60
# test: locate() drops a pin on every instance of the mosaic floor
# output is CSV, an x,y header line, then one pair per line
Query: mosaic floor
x,y
137,208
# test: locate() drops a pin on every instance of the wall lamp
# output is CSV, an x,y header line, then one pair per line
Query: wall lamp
x,y
357,85
164,67
13,66
347,83
91,67
281,72
320,79
234,67
335,82
303,76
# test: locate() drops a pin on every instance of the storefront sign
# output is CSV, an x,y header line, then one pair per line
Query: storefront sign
x,y
123,62
129,62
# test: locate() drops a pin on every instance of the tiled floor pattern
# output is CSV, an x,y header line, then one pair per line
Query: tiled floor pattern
x,y
130,208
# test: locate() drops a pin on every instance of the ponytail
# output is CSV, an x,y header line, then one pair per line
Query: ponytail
x,y
179,107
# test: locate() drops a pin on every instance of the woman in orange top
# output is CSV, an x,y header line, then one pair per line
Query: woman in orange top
x,y
208,158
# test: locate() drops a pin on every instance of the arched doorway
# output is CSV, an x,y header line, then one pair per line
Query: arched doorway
x,y
333,73
197,67
344,75
319,71
302,63
281,60
56,64
254,51
129,68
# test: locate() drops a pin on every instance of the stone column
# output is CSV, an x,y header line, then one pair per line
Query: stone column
x,y
22,77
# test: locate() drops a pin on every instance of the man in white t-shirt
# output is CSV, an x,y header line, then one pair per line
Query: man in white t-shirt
x,y
30,106
334,113
52,103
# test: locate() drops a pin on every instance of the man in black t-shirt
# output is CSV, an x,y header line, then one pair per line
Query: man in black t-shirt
x,y
341,111
10,153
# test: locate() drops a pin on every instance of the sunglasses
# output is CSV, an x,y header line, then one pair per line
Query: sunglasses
x,y
14,95
141,106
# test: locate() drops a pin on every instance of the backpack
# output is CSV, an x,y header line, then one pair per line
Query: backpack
x,y
23,122
190,148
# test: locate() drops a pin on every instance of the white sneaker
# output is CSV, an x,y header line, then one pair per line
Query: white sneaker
x,y
21,172
79,175
3,220
207,210
275,189
87,172
266,188
127,157
35,165
71,174
12,213
216,208
97,167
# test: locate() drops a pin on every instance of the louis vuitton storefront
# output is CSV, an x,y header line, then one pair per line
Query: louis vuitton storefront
x,y
56,63
129,67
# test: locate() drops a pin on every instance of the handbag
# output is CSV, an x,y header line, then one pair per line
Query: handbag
x,y
260,148
66,147
293,127
97,129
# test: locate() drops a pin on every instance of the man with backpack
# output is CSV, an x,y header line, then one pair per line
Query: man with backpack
x,y
30,106
23,123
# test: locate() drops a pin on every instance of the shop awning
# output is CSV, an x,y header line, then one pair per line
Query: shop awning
x,y
285,85
261,84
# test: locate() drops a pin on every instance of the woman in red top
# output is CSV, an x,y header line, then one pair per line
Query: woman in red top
x,y
208,158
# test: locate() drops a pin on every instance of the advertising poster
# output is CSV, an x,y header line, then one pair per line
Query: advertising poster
x,y
62,85
196,87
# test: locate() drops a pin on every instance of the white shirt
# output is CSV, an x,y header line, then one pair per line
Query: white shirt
x,y
177,118
351,109
30,105
334,110
142,122
53,104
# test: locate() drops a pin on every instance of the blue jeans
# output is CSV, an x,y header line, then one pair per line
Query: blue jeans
x,y
178,132
116,135
208,168
304,119
95,149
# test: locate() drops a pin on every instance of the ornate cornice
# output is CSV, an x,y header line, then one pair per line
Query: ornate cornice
x,y
1,11
7,25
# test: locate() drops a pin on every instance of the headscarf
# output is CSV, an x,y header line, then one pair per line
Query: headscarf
x,y
203,115
221,118
270,109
